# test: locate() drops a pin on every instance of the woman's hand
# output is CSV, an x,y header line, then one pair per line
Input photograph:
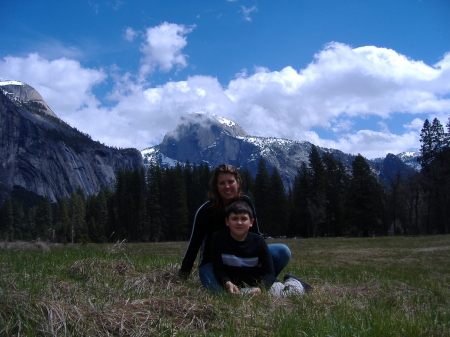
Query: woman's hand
x,y
232,288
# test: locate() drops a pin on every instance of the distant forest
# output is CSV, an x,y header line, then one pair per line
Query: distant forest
x,y
327,199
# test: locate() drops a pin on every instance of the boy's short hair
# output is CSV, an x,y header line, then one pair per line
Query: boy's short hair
x,y
239,207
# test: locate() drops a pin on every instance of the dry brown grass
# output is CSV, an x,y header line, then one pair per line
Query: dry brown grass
x,y
131,290
99,301
22,245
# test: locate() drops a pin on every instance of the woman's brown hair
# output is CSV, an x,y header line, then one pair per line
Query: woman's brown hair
x,y
213,184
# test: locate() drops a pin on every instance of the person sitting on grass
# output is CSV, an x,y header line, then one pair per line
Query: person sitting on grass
x,y
241,260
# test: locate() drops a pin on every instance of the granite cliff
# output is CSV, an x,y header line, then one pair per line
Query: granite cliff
x,y
42,154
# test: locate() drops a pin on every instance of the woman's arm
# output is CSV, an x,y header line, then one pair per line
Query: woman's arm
x,y
255,227
197,235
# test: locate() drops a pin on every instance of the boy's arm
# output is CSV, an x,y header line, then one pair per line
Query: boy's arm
x,y
265,259
216,259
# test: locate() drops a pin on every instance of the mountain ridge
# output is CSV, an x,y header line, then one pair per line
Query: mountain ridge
x,y
220,144
26,96
42,154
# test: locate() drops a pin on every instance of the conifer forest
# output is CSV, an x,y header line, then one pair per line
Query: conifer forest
x,y
327,199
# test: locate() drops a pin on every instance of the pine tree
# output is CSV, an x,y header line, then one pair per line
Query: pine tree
x,y
20,222
77,222
317,200
7,221
101,215
175,205
62,221
433,140
362,200
447,135
426,146
438,137
248,182
262,196
154,202
205,177
120,223
278,212
337,180
300,220
44,220
194,192
435,177
111,222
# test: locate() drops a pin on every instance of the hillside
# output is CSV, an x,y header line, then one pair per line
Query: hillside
x,y
42,154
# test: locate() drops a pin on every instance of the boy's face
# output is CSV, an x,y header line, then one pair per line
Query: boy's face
x,y
239,225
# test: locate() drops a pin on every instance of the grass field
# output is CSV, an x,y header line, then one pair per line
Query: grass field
x,y
387,286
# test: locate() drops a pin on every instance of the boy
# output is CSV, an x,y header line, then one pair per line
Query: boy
x,y
241,258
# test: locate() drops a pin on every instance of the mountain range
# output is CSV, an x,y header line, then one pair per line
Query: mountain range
x,y
210,139
42,154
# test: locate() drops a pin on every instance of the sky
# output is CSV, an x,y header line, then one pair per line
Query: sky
x,y
360,76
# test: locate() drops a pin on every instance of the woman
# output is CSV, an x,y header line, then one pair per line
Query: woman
x,y
224,189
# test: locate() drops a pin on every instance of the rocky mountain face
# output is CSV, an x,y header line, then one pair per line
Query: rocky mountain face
x,y
25,96
214,140
42,154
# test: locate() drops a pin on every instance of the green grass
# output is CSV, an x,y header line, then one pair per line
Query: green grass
x,y
387,286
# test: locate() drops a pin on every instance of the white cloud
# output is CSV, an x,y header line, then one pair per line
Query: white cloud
x,y
247,11
158,110
372,144
130,34
63,83
339,88
341,84
162,48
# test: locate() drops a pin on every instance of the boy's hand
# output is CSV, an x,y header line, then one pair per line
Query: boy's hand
x,y
256,291
233,289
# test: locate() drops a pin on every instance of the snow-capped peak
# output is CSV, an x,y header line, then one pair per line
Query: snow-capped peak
x,y
4,82
224,121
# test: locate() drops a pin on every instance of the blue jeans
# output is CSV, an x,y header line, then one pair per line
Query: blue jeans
x,y
281,254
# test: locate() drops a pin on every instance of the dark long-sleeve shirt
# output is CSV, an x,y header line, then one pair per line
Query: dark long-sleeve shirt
x,y
244,263
207,221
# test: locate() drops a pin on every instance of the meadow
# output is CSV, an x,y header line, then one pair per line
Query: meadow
x,y
384,286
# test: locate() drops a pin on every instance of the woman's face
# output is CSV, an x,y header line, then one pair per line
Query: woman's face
x,y
228,187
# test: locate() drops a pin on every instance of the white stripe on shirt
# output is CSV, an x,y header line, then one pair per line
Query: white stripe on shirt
x,y
234,261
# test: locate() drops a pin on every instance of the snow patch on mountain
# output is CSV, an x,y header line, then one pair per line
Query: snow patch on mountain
x,y
153,156
8,82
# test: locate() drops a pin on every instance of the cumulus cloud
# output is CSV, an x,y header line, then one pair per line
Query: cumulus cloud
x,y
63,83
372,144
340,87
163,48
158,110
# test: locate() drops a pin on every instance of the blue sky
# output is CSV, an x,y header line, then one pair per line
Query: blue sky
x,y
360,76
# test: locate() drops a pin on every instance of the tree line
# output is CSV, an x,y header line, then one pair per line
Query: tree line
x,y
327,199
